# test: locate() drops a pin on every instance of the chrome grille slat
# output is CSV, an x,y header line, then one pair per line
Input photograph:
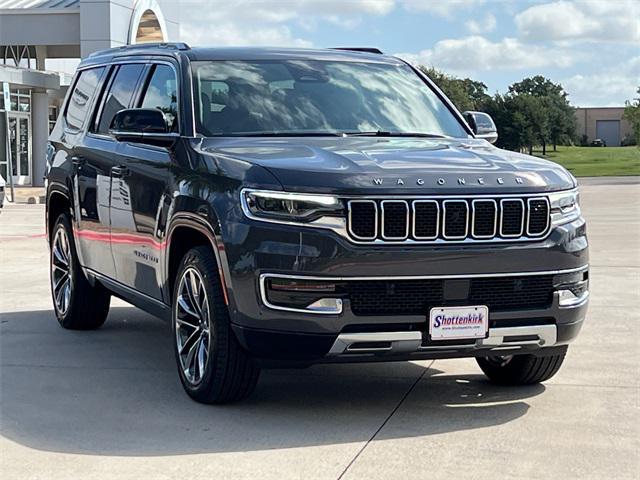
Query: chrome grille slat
x,y
356,230
478,222
395,219
511,213
427,220
538,210
425,225
458,227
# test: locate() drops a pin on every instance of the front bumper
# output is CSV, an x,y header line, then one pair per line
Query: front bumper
x,y
255,250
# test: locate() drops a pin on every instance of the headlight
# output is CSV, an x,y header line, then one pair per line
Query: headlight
x,y
286,207
565,206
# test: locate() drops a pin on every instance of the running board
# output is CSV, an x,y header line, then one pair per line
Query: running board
x,y
406,342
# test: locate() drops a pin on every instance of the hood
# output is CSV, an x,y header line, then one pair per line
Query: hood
x,y
356,165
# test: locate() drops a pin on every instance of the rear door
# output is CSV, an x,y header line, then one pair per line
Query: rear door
x,y
91,216
96,158
144,175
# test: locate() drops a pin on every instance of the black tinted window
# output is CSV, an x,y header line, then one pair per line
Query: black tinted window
x,y
120,94
161,93
80,100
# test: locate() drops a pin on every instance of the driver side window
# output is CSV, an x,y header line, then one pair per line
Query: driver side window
x,y
162,93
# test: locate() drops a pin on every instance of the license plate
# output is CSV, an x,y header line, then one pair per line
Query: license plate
x,y
456,323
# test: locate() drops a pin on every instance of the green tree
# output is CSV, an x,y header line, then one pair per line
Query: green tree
x,y
632,114
555,111
465,93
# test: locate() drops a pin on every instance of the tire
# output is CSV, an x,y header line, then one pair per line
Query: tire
x,y
201,326
520,369
77,304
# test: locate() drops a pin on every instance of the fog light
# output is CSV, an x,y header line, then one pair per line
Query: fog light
x,y
326,305
573,294
301,295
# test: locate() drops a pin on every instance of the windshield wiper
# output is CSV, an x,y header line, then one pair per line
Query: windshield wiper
x,y
384,133
282,134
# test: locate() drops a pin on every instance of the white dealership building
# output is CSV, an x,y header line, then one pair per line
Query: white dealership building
x,y
38,36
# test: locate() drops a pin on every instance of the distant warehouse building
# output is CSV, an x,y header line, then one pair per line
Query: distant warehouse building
x,y
605,123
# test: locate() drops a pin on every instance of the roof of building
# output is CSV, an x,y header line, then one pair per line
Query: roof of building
x,y
29,4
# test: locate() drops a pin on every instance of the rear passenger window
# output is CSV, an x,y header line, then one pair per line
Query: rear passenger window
x,y
120,94
80,100
161,93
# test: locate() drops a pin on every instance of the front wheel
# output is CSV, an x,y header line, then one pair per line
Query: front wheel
x,y
520,369
213,367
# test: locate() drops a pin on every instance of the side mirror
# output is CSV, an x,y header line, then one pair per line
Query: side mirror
x,y
482,125
143,125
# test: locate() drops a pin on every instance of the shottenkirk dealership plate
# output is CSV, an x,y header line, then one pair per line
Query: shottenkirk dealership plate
x,y
456,323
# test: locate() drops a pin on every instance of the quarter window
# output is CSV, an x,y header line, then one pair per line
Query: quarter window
x,y
120,94
80,100
161,93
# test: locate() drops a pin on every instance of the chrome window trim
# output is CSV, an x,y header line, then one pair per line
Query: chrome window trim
x,y
546,228
413,211
385,237
375,206
473,217
444,220
502,202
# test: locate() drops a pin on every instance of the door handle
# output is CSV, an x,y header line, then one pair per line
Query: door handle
x,y
78,161
120,171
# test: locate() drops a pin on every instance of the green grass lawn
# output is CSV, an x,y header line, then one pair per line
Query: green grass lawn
x,y
596,161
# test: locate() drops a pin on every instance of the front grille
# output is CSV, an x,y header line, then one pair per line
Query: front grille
x,y
456,219
448,219
395,219
417,297
538,216
511,217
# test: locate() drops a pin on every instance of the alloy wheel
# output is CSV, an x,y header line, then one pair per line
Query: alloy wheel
x,y
61,281
193,329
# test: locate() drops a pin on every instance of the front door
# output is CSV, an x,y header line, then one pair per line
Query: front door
x,y
140,194
20,136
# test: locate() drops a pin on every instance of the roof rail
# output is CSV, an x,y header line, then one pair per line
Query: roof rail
x,y
144,46
360,49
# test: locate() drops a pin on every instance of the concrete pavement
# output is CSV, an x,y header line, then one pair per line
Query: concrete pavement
x,y
108,404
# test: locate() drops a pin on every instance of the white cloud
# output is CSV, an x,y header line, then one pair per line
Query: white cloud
x,y
234,34
476,53
587,20
264,22
442,8
607,87
483,25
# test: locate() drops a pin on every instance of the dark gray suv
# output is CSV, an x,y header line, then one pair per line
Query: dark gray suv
x,y
285,207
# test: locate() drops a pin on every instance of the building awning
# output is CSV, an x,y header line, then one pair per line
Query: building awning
x,y
22,77
55,23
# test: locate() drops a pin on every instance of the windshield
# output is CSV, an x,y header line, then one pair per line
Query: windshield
x,y
310,97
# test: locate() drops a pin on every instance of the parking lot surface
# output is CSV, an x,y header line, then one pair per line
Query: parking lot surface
x,y
108,403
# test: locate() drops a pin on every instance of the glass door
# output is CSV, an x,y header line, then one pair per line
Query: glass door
x,y
20,136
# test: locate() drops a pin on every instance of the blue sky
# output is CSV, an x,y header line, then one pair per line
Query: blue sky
x,y
592,47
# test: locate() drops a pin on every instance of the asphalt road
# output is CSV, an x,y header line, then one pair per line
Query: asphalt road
x,y
108,403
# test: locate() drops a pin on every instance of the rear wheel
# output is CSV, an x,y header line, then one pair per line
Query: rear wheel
x,y
212,366
520,369
78,305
